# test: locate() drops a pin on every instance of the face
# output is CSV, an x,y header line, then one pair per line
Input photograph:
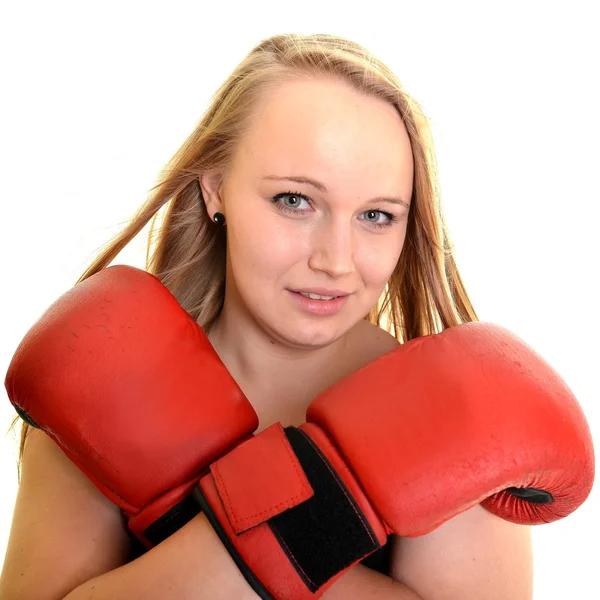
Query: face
x,y
306,210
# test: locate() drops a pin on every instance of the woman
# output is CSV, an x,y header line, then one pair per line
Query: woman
x,y
311,173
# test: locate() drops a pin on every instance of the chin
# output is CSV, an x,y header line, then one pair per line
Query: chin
x,y
315,335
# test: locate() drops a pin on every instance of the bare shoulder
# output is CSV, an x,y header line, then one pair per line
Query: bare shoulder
x,y
63,532
365,343
368,342
474,555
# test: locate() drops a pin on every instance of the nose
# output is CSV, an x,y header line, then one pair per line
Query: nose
x,y
332,248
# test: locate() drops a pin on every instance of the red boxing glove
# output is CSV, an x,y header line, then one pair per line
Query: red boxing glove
x,y
132,391
442,423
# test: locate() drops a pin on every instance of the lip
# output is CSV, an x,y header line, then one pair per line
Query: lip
x,y
321,308
321,292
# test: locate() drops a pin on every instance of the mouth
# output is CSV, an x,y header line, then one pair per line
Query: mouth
x,y
318,297
322,295
319,304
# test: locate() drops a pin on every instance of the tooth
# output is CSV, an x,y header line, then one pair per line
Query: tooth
x,y
316,296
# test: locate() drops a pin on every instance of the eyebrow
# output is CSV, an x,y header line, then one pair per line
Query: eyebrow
x,y
319,186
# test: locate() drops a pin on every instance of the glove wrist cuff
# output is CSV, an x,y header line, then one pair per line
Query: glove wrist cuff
x,y
315,517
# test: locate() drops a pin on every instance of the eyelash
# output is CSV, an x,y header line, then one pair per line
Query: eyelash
x,y
391,218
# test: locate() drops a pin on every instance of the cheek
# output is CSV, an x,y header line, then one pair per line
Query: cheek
x,y
377,262
264,251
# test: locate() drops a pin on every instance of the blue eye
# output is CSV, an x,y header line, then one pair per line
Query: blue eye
x,y
297,197
373,218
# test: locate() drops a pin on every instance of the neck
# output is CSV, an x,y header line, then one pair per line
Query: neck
x,y
268,370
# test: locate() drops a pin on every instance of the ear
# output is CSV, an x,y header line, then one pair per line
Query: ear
x,y
210,184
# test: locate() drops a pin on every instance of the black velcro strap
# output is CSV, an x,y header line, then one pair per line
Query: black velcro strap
x,y
327,533
173,520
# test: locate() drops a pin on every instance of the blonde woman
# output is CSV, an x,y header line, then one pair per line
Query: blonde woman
x,y
300,227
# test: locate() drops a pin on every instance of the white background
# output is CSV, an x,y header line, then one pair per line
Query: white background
x,y
97,97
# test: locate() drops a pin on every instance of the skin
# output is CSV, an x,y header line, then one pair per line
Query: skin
x,y
358,147
66,534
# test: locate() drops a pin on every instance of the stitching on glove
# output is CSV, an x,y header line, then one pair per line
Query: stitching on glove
x,y
240,522
335,478
291,555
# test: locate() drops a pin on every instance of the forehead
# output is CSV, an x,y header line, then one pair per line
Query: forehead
x,y
327,129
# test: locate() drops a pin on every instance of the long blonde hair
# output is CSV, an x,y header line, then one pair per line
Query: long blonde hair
x,y
425,293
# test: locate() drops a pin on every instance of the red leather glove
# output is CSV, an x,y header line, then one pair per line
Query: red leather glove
x,y
132,391
442,423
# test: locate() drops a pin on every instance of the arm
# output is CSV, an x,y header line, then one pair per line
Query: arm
x,y
68,541
474,555
63,530
192,564
361,582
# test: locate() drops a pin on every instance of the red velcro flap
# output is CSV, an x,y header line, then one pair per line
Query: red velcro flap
x,y
259,479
